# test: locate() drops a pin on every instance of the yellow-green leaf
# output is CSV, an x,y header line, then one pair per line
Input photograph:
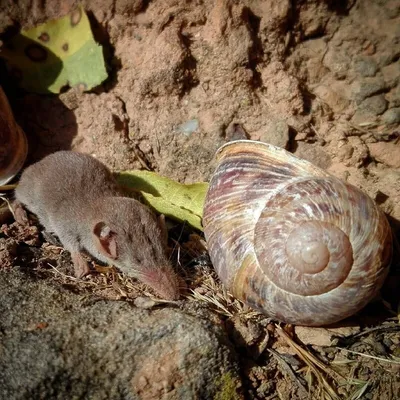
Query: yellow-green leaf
x,y
168,197
58,53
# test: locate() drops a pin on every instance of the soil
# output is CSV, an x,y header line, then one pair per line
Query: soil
x,y
319,78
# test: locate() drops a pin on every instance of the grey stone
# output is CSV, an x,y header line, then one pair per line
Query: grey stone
x,y
363,88
391,116
374,105
391,74
189,127
392,8
60,345
389,56
275,132
365,66
313,153
338,62
394,97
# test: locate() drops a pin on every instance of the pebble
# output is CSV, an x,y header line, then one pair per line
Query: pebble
x,y
275,132
361,89
322,336
388,56
345,152
337,62
391,116
394,97
391,8
387,153
189,127
374,105
365,66
332,96
391,74
313,153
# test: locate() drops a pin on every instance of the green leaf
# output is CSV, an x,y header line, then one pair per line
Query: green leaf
x,y
173,199
55,54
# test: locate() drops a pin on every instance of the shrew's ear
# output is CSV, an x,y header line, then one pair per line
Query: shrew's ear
x,y
105,240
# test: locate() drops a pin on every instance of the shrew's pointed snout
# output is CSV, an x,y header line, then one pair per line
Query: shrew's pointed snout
x,y
165,282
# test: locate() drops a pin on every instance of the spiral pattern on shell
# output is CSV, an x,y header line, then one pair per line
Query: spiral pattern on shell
x,y
290,239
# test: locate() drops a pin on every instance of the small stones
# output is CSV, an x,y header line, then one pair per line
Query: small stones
x,y
391,74
387,153
323,336
374,105
332,97
275,132
337,62
369,109
361,89
391,116
314,154
365,66
235,131
392,8
345,152
394,97
188,127
358,151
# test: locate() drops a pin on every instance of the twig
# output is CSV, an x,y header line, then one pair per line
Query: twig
x,y
349,340
64,275
370,356
313,363
289,371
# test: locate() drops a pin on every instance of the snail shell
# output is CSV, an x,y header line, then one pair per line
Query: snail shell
x,y
290,239
13,143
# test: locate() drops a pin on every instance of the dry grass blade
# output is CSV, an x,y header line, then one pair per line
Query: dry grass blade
x,y
7,188
359,392
315,365
393,361
212,299
213,293
72,278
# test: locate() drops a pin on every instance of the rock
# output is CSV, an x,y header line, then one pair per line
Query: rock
x,y
322,336
392,8
374,105
314,154
394,97
8,251
188,127
345,152
391,74
274,132
361,89
391,116
235,131
334,98
359,154
60,345
365,66
387,153
362,118
313,20
338,63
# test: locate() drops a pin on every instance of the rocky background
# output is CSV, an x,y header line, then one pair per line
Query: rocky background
x,y
319,78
